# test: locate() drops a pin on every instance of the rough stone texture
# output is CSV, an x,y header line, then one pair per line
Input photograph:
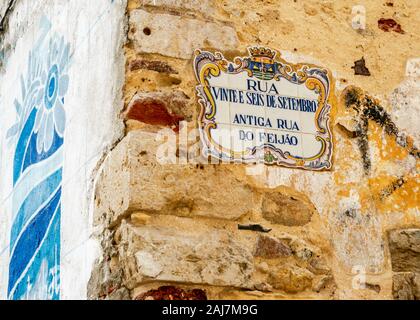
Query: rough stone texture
x,y
184,255
155,65
173,293
337,225
269,247
357,237
209,254
133,180
119,294
315,241
286,210
106,281
404,246
191,34
291,278
406,286
291,265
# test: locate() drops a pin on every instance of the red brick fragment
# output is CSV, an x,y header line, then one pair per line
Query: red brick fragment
x,y
158,108
173,293
153,113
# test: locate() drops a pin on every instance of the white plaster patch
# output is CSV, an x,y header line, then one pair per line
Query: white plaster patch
x,y
147,265
313,184
413,68
357,236
405,101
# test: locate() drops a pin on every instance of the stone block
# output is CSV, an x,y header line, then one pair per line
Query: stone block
x,y
286,210
133,180
291,278
406,286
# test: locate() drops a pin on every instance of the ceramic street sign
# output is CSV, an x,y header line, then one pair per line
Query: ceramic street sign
x,y
261,108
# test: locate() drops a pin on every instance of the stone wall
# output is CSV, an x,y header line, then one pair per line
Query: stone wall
x,y
265,232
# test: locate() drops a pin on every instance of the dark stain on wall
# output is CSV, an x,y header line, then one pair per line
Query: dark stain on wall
x,y
388,25
158,66
392,187
253,227
374,287
360,67
173,293
363,143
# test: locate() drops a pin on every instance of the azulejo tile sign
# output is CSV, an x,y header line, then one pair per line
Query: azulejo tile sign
x,y
261,108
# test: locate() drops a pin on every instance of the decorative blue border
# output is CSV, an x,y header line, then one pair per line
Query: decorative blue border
x,y
264,63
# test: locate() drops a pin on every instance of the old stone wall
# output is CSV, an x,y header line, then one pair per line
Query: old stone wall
x,y
348,233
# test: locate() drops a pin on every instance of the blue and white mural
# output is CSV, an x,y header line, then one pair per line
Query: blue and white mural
x,y
37,139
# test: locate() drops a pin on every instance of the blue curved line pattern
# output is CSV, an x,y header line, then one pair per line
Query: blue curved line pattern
x,y
31,239
38,266
38,141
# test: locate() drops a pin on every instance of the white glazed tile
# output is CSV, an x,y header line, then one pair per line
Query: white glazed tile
x,y
269,137
307,121
279,117
239,81
308,118
220,81
306,93
244,138
222,112
287,88
237,109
